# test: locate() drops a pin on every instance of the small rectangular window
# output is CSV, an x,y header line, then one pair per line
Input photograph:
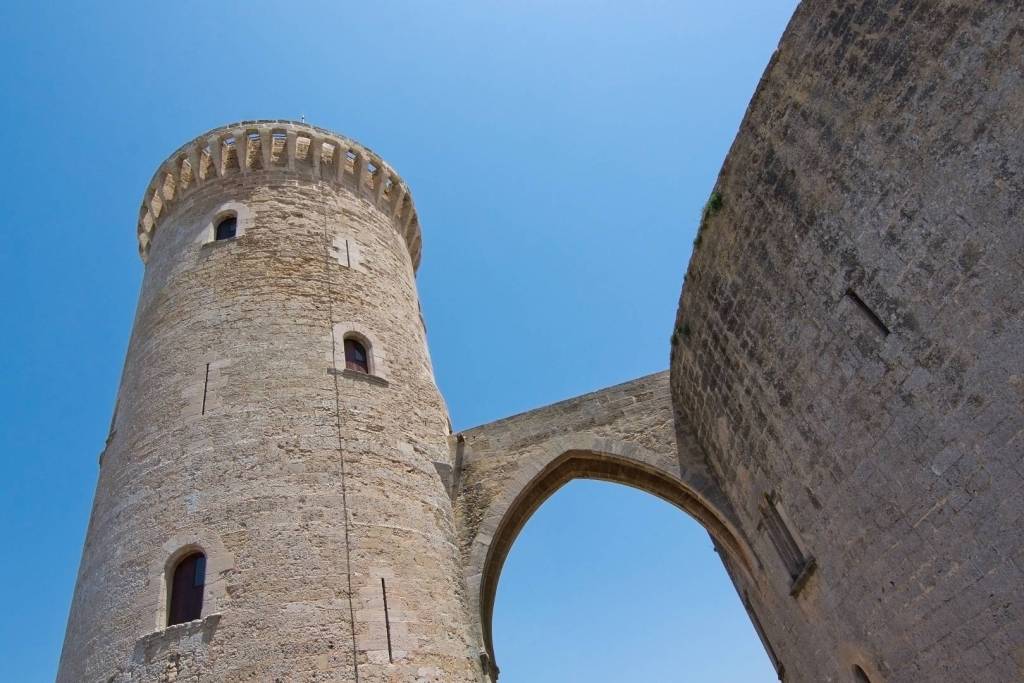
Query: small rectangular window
x,y
798,564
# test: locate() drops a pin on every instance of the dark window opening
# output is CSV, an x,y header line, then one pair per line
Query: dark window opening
x,y
866,311
187,590
859,676
227,228
355,357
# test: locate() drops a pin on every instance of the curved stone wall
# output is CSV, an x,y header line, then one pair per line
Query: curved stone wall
x,y
847,392
848,346
312,488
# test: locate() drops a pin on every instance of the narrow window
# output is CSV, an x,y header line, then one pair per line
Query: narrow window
x,y
867,313
797,563
187,590
387,619
859,676
355,357
226,228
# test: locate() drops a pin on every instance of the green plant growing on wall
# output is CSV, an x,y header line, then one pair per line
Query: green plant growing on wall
x,y
682,331
711,207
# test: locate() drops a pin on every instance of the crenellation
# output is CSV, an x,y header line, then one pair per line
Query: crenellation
x,y
358,169
380,182
266,147
296,148
398,203
242,149
214,150
316,147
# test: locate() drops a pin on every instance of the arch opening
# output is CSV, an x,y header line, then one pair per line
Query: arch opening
x,y
590,465
607,582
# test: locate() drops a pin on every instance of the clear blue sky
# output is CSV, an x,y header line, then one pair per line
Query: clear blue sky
x,y
559,153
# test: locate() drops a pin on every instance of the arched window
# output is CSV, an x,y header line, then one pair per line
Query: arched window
x,y
187,584
859,676
226,227
356,357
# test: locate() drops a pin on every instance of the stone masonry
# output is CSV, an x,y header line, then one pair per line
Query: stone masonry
x,y
844,412
849,339
240,432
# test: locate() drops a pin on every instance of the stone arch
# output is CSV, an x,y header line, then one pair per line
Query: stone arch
x,y
587,457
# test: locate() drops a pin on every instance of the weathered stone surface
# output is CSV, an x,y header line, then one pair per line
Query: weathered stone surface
x,y
845,411
881,156
625,434
239,432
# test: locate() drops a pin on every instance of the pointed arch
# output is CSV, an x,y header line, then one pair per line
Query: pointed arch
x,y
586,457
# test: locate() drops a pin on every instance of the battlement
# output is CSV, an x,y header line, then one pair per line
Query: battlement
x,y
279,145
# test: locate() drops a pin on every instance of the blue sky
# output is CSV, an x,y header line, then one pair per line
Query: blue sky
x,y
559,152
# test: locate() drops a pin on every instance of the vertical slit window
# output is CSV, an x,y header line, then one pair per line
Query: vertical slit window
x,y
387,619
798,565
868,314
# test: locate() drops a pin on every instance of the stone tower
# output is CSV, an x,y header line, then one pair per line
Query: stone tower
x,y
317,493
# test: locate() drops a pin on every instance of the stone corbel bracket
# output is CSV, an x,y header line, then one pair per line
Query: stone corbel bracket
x,y
279,146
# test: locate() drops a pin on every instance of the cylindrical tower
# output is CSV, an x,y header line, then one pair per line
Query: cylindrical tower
x,y
272,502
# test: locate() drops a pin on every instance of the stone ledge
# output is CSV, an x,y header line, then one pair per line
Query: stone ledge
x,y
213,244
810,565
151,646
359,376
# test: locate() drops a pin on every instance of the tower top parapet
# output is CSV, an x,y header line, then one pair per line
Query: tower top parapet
x,y
280,146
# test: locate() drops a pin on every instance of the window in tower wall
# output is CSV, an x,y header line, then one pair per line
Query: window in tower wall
x,y
356,357
859,676
187,585
226,228
799,564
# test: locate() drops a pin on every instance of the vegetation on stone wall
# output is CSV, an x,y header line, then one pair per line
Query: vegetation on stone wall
x,y
711,207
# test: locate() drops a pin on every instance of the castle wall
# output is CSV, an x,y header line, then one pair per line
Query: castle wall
x,y
849,339
239,431
506,469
